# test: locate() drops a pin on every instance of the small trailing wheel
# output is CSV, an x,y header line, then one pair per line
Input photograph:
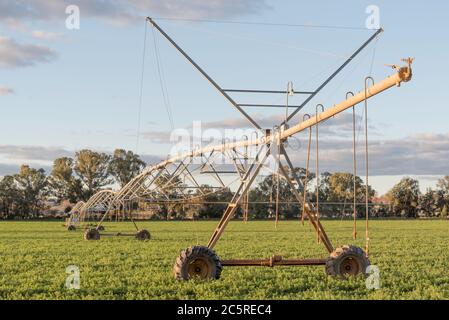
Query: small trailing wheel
x,y
143,235
100,228
198,262
71,228
92,234
347,261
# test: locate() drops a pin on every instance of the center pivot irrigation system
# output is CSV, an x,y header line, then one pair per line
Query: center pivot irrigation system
x,y
176,180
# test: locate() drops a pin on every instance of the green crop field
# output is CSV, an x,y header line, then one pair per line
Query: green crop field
x,y
413,258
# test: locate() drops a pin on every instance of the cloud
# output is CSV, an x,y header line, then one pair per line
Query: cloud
x,y
47,36
340,125
9,169
4,91
236,128
161,137
19,14
34,153
42,157
13,24
41,153
197,9
13,54
125,11
6,169
151,159
422,154
54,9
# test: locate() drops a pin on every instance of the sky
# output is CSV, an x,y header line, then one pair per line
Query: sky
x,y
99,86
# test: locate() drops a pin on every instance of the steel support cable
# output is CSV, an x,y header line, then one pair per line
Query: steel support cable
x,y
333,75
350,71
373,56
139,112
359,129
317,172
308,26
246,210
269,43
366,168
167,102
354,159
278,163
162,81
366,158
366,155
162,74
354,142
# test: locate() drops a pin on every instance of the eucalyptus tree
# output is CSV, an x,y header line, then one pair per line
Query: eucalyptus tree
x,y
92,168
125,165
32,186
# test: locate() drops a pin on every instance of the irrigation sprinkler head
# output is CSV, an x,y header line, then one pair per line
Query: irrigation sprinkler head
x,y
405,72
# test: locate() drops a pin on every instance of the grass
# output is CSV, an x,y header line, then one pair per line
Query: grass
x,y
412,256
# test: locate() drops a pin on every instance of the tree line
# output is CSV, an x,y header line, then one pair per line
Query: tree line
x,y
26,194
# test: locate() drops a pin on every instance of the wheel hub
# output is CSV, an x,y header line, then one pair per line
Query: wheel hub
x,y
199,268
349,266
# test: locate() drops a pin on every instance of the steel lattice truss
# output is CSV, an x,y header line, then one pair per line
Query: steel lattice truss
x,y
98,203
74,214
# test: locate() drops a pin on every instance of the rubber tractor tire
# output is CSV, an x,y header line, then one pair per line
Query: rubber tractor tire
x,y
92,234
347,261
197,262
143,235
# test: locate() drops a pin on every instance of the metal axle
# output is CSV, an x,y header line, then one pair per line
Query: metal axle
x,y
273,261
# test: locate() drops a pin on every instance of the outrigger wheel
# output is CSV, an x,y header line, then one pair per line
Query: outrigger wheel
x,y
101,228
347,261
143,235
92,234
71,228
198,262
